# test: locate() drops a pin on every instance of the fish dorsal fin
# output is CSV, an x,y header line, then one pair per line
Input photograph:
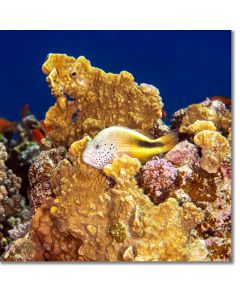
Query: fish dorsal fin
x,y
146,134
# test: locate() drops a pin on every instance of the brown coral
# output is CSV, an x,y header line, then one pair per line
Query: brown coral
x,y
99,100
90,221
212,193
40,174
215,149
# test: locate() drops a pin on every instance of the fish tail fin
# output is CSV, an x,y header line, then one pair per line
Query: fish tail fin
x,y
168,141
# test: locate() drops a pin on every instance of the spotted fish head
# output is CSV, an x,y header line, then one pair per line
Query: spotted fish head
x,y
99,152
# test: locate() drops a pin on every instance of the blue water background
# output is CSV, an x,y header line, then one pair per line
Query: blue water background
x,y
186,66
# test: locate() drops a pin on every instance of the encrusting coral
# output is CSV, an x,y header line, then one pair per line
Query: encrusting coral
x,y
88,100
199,126
215,148
214,111
175,207
87,220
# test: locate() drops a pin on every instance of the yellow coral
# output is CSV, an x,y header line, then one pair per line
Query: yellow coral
x,y
206,111
99,100
89,220
215,148
199,126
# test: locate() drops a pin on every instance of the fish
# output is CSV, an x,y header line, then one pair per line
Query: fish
x,y
6,125
115,141
37,135
227,101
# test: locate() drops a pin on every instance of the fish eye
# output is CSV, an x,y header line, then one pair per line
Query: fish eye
x,y
97,146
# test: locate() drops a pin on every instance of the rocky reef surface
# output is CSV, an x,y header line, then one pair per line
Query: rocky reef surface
x,y
18,150
175,207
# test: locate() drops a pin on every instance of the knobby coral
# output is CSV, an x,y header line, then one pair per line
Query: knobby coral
x,y
199,126
12,204
184,153
215,149
9,187
88,100
211,192
40,174
213,111
87,220
158,178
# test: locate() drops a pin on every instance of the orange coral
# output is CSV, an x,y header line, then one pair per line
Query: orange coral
x,y
99,100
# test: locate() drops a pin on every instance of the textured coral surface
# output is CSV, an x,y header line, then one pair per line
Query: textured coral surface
x,y
98,100
87,220
12,204
175,207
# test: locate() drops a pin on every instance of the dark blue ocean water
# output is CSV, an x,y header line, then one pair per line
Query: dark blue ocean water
x,y
186,66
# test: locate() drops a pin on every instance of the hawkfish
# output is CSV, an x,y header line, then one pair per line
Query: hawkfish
x,y
115,141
